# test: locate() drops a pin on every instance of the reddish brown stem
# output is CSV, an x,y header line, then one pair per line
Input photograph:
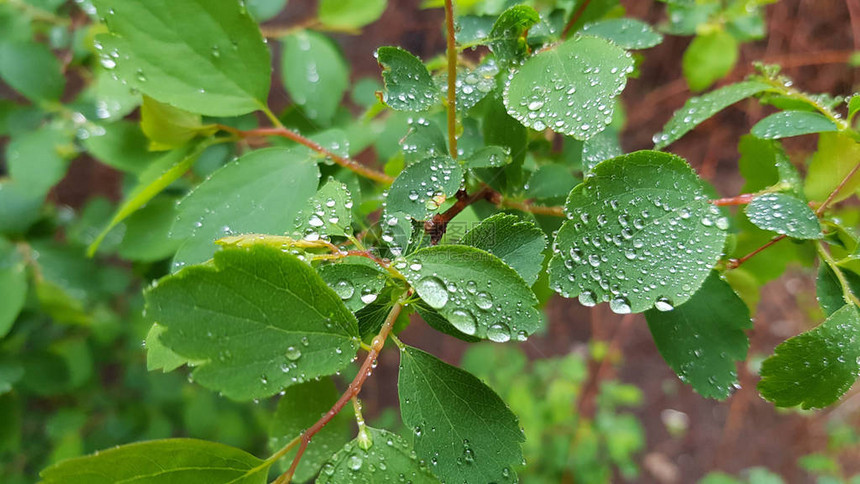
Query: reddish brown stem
x,y
343,161
452,77
574,18
352,390
738,200
436,226
368,255
735,263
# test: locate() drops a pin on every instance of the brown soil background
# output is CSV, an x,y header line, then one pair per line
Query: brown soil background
x,y
811,38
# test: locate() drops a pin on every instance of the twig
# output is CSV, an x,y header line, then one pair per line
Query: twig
x,y
735,263
343,161
575,18
352,390
836,190
452,77
742,199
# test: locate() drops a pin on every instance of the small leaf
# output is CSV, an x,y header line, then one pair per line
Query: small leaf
x,y
31,69
147,232
698,109
472,84
350,14
158,176
817,367
408,84
460,426
488,157
36,160
506,38
13,285
479,294
603,146
551,182
784,214
786,124
122,146
569,89
261,192
708,58
168,127
189,461
298,409
628,33
828,288
836,156
423,140
389,459
423,187
314,73
263,10
356,280
853,106
640,231
327,213
158,356
703,338
218,64
261,319
764,163
518,243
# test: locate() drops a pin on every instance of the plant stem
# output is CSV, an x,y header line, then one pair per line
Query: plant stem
x,y
575,18
836,190
284,132
847,295
735,263
738,200
352,390
452,77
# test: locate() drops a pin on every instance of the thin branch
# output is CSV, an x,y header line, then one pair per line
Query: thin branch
x,y
575,18
735,263
742,199
452,77
343,161
354,388
836,190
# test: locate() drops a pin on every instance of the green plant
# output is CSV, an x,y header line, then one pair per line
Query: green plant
x,y
288,260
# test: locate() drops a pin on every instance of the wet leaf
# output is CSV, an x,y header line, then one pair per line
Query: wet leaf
x,y
628,33
356,280
518,243
829,290
421,189
389,459
408,84
786,124
506,37
569,89
640,231
314,73
836,156
784,214
327,213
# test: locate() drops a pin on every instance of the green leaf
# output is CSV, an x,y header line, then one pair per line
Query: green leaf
x,y
786,124
122,146
764,163
460,426
408,84
479,294
698,109
640,231
189,461
389,459
603,146
836,156
263,10
13,285
168,127
817,367
569,89
356,280
298,409
261,192
708,58
107,98
488,157
518,243
853,106
31,69
147,232
19,207
158,176
784,214
500,129
158,356
506,37
37,159
628,33
314,73
703,338
327,213
261,319
551,182
218,64
350,14
421,188
472,84
828,288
